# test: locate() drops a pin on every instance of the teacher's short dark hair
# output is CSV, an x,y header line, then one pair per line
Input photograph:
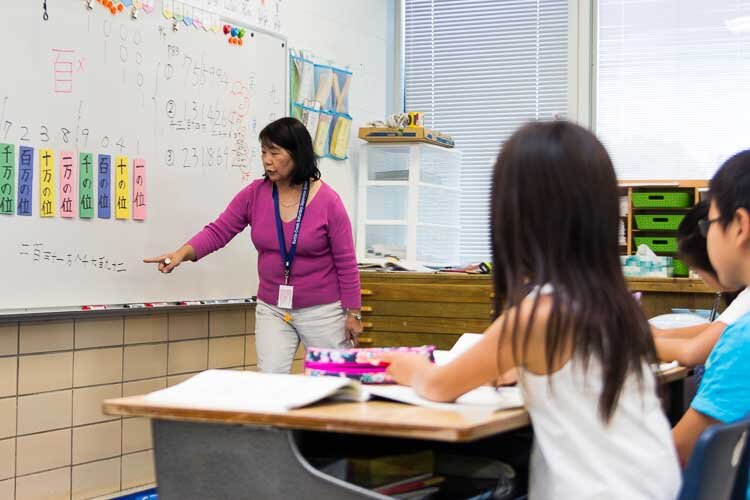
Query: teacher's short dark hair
x,y
291,134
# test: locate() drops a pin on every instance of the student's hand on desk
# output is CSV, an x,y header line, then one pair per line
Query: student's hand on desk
x,y
404,366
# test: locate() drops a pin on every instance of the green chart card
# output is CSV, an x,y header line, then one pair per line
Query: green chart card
x,y
7,179
86,187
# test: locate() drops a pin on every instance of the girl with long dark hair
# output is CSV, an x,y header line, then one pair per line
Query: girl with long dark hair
x,y
567,321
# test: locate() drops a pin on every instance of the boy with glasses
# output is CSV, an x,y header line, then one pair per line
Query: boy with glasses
x,y
724,393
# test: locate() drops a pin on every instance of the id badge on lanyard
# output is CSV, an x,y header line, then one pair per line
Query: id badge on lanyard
x,y
286,291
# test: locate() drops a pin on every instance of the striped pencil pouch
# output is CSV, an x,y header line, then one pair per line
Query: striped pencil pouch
x,y
356,363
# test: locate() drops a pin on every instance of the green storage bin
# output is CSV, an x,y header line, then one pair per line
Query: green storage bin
x,y
669,222
661,199
659,244
680,268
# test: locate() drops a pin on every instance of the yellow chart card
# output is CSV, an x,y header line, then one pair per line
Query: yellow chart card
x,y
122,188
47,183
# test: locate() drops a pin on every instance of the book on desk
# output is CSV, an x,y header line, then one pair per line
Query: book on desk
x,y
267,392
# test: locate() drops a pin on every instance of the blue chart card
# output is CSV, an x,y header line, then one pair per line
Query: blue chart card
x,y
104,182
25,180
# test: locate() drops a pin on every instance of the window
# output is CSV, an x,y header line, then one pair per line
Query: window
x,y
478,69
672,85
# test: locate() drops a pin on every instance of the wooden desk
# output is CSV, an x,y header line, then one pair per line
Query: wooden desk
x,y
228,454
377,418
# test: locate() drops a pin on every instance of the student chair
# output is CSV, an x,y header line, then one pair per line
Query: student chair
x,y
717,469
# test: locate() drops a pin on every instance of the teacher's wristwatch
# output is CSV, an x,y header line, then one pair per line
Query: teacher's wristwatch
x,y
355,315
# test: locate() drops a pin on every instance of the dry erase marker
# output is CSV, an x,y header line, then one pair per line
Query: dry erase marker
x,y
190,303
236,301
93,308
156,304
134,306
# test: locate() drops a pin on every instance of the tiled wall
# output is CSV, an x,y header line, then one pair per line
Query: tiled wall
x,y
54,440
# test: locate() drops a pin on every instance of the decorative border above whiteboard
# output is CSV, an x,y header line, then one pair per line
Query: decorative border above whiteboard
x,y
264,15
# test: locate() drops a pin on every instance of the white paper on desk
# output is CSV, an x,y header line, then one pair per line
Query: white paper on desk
x,y
662,367
463,344
253,391
482,398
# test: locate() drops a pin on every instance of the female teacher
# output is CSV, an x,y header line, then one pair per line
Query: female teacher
x,y
309,281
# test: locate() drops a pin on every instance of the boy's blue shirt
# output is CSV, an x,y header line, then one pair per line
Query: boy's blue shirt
x,y
724,392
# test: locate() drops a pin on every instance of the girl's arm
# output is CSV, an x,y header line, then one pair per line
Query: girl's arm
x,y
483,362
686,332
690,351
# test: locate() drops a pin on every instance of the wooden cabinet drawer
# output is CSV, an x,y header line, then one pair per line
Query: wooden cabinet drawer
x,y
415,324
420,292
391,339
479,311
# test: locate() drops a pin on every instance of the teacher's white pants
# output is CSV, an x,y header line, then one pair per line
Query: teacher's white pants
x,y
276,340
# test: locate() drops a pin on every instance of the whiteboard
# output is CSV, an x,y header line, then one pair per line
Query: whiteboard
x,y
186,102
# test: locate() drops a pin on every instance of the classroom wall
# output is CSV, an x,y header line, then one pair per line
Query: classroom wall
x,y
54,441
358,34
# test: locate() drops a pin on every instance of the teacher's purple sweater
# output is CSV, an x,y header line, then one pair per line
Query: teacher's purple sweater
x,y
324,268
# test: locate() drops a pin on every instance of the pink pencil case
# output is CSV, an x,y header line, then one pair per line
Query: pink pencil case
x,y
357,363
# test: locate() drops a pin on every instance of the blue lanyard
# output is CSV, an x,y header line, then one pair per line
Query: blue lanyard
x,y
288,257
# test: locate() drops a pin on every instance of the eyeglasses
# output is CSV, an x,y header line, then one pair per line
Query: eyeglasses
x,y
704,224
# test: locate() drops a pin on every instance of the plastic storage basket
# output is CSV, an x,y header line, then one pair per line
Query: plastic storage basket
x,y
658,244
661,199
665,222
680,268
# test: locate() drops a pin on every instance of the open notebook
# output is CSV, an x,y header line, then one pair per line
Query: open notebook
x,y
253,391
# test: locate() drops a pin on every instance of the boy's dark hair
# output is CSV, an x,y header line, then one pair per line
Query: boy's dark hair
x,y
554,221
692,245
730,186
291,134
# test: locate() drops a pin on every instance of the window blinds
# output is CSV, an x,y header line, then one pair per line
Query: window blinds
x,y
478,69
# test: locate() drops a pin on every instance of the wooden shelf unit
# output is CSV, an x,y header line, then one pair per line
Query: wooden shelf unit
x,y
694,186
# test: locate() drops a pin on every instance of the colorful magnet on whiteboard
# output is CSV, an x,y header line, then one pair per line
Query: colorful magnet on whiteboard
x,y
234,31
226,29
120,7
239,41
241,34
